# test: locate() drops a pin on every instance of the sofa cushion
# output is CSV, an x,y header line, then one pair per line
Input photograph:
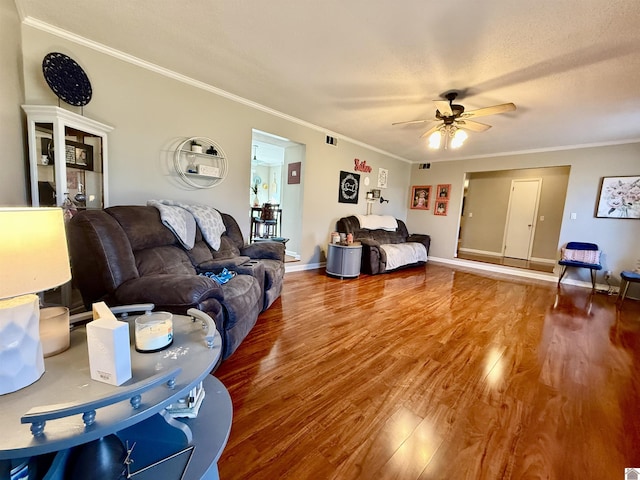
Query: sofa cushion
x,y
163,260
143,226
582,256
227,249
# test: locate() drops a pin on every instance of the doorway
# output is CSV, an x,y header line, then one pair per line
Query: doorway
x,y
484,217
270,182
521,218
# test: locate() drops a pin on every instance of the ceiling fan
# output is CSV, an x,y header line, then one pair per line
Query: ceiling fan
x,y
452,120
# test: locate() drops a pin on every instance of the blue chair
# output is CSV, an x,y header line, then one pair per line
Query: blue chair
x,y
581,255
627,278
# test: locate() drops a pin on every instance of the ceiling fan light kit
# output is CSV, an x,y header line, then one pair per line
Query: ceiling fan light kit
x,y
449,136
453,121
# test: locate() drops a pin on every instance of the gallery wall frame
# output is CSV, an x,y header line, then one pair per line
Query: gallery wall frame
x,y
420,197
441,207
443,191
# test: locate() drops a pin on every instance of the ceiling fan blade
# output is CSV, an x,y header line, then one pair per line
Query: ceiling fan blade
x,y
431,130
483,112
411,121
443,107
473,126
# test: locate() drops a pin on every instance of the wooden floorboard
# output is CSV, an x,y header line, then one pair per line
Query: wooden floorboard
x,y
435,373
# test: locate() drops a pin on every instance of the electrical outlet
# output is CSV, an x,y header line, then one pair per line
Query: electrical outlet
x,y
607,274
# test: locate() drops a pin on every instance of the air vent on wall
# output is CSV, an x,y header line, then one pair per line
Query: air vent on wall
x,y
424,166
331,141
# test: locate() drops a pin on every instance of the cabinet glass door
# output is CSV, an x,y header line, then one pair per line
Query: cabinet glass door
x,y
45,165
83,167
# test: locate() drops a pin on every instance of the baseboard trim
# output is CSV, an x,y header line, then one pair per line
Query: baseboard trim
x,y
473,251
517,272
300,267
480,252
548,261
487,267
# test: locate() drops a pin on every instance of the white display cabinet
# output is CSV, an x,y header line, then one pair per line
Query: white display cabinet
x,y
78,169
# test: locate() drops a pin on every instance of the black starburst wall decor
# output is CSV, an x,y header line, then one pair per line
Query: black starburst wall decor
x,y
67,79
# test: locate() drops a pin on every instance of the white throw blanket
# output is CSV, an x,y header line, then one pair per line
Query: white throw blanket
x,y
208,219
400,254
373,222
179,221
210,222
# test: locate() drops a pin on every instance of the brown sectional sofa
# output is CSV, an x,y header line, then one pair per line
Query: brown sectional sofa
x,y
125,255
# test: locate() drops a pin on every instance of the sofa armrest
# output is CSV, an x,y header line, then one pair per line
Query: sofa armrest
x,y
169,290
264,250
369,242
374,258
420,238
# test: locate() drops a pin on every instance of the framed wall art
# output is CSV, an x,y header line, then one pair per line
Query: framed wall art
x,y
444,191
293,173
619,198
420,197
383,177
349,187
441,207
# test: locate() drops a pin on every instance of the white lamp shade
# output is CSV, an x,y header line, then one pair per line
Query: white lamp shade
x,y
33,250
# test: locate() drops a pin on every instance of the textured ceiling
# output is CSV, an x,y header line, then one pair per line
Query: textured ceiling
x,y
572,67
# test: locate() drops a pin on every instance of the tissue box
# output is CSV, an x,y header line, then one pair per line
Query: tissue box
x,y
109,350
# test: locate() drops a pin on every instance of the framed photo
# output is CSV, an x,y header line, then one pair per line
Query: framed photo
x,y
619,198
441,207
420,197
376,192
443,191
79,155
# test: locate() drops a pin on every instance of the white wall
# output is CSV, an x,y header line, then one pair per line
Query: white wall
x,y
617,238
151,112
13,183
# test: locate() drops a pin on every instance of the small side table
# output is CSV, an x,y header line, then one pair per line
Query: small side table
x,y
344,260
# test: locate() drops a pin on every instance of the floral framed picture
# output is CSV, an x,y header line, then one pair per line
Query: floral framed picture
x,y
441,207
443,191
420,197
619,198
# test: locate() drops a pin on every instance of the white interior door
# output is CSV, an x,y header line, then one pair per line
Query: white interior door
x,y
521,218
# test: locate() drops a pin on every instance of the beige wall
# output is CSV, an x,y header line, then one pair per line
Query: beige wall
x,y
151,112
13,183
616,237
487,203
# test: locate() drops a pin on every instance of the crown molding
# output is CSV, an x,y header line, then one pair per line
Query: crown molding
x,y
125,57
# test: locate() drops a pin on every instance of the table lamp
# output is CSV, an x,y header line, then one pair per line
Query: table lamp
x,y
33,258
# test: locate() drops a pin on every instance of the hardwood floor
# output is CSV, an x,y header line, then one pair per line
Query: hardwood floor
x,y
435,373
